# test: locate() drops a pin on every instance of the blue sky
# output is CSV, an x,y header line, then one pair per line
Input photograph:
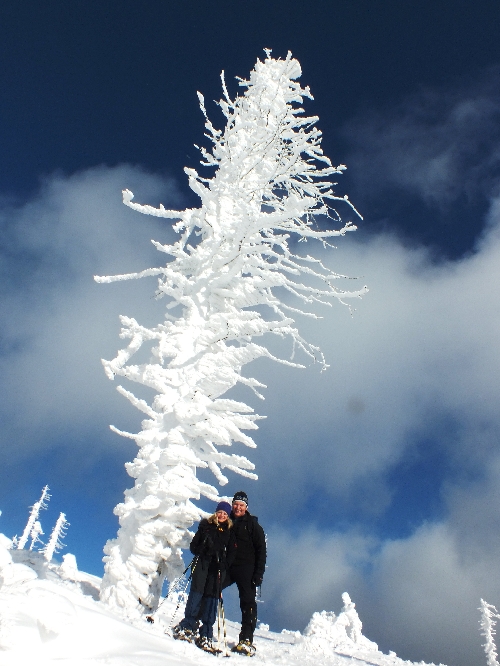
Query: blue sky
x,y
380,476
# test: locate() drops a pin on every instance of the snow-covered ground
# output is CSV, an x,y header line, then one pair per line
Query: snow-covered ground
x,y
50,614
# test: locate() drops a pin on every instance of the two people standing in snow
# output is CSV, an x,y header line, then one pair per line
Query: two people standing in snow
x,y
229,547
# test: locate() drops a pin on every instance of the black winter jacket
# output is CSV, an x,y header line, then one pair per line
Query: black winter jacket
x,y
215,547
250,544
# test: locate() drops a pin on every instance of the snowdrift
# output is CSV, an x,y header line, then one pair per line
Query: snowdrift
x,y
50,613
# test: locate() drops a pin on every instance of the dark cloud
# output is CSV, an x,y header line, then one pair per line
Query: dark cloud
x,y
429,165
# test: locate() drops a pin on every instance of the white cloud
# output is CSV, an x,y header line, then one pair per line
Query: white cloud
x,y
426,590
57,321
309,570
419,354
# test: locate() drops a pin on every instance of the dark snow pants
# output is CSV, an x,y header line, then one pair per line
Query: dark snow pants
x,y
242,576
199,607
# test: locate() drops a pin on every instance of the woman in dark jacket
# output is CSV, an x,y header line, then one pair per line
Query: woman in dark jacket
x,y
214,548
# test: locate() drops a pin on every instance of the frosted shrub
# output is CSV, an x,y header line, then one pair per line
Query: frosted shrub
x,y
489,616
351,619
327,631
234,260
68,568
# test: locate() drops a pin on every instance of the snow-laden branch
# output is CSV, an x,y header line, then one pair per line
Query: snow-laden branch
x,y
148,210
234,260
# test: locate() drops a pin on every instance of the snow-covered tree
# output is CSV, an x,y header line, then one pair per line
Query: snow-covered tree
x,y
354,627
35,510
489,616
228,283
36,532
59,532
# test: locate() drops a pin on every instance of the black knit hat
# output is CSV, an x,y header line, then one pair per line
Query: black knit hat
x,y
240,496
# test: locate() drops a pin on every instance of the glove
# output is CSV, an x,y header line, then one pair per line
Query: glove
x,y
257,580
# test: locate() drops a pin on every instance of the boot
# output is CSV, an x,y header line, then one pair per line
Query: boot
x,y
245,647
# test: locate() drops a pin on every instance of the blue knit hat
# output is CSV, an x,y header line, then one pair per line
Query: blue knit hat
x,y
223,506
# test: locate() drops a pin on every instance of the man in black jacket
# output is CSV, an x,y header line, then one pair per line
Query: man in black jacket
x,y
247,568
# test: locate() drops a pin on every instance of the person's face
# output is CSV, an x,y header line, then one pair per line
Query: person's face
x,y
239,509
221,516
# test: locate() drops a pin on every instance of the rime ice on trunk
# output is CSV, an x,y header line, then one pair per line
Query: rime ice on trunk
x,y
232,260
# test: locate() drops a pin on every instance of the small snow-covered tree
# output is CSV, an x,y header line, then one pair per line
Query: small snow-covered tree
x,y
354,626
489,616
35,510
36,532
235,259
59,532
68,568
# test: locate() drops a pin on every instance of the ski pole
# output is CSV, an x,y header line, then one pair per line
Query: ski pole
x,y
224,625
219,592
178,606
185,588
218,625
172,588
220,612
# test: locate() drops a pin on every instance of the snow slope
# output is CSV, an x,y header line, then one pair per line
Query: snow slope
x,y
50,614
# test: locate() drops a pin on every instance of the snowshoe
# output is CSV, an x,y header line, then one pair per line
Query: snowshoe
x,y
181,634
245,648
206,645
